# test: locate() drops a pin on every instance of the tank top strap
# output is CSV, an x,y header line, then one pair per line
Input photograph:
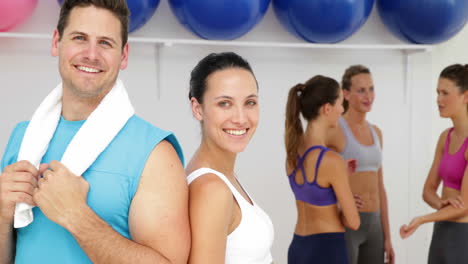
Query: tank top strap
x,y
346,129
465,144
447,141
375,136
203,171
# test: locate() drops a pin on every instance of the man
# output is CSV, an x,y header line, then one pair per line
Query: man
x,y
131,204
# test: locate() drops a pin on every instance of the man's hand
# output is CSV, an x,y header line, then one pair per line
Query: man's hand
x,y
60,193
17,184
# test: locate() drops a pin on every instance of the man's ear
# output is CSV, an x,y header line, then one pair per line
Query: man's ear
x,y
55,43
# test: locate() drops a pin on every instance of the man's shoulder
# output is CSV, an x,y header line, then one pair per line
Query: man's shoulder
x,y
14,144
138,123
18,132
145,133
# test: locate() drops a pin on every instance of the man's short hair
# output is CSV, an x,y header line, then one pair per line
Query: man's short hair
x,y
117,7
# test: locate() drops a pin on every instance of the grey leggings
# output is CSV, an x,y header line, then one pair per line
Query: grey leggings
x,y
366,245
449,243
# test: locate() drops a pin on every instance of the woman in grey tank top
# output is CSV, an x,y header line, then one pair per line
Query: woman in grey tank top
x,y
356,139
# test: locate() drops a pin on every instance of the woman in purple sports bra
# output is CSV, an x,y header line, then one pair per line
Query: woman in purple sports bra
x,y
450,236
317,175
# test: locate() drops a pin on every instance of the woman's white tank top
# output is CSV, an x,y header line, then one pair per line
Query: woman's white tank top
x,y
251,241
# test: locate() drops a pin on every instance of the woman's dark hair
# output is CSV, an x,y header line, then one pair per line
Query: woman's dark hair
x,y
346,81
458,74
210,64
306,99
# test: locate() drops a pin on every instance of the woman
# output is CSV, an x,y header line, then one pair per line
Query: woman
x,y
227,225
450,236
318,177
355,138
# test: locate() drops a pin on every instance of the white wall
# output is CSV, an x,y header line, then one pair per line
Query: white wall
x,y
27,73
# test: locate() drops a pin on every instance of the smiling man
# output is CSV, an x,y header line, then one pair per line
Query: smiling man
x,y
108,186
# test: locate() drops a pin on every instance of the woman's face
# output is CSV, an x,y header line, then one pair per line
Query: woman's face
x,y
361,93
450,100
230,112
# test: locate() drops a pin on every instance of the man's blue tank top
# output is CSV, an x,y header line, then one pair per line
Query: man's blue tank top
x,y
113,179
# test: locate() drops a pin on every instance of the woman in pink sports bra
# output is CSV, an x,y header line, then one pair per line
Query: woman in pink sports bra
x,y
450,237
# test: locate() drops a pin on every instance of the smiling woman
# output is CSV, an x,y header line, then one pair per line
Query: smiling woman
x,y
227,225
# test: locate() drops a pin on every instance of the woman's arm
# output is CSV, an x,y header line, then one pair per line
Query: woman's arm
x,y
446,213
335,166
432,183
211,213
384,216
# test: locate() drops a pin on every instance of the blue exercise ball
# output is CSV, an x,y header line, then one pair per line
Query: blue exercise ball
x,y
424,21
219,19
140,12
322,21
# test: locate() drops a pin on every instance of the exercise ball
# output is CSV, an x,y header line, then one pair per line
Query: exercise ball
x,y
14,12
140,12
322,21
219,19
424,21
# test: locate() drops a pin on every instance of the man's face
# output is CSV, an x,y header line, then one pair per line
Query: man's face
x,y
90,52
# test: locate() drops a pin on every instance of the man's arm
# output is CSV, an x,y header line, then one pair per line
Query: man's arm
x,y
6,243
158,216
17,183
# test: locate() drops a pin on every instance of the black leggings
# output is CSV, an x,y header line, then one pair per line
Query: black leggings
x,y
449,243
325,248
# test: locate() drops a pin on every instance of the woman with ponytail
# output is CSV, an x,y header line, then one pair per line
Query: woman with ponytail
x,y
450,236
318,176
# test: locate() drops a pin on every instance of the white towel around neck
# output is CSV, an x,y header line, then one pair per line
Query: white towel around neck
x,y
92,138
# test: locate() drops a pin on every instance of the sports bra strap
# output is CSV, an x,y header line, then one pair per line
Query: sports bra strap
x,y
319,160
447,141
300,162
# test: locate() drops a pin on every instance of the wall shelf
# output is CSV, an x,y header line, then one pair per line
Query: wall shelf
x,y
407,48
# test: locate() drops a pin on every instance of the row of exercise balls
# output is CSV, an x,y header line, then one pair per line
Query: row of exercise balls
x,y
140,12
219,19
325,21
14,12
321,21
424,21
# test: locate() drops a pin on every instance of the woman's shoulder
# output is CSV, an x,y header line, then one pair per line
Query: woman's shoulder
x,y
443,136
208,183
